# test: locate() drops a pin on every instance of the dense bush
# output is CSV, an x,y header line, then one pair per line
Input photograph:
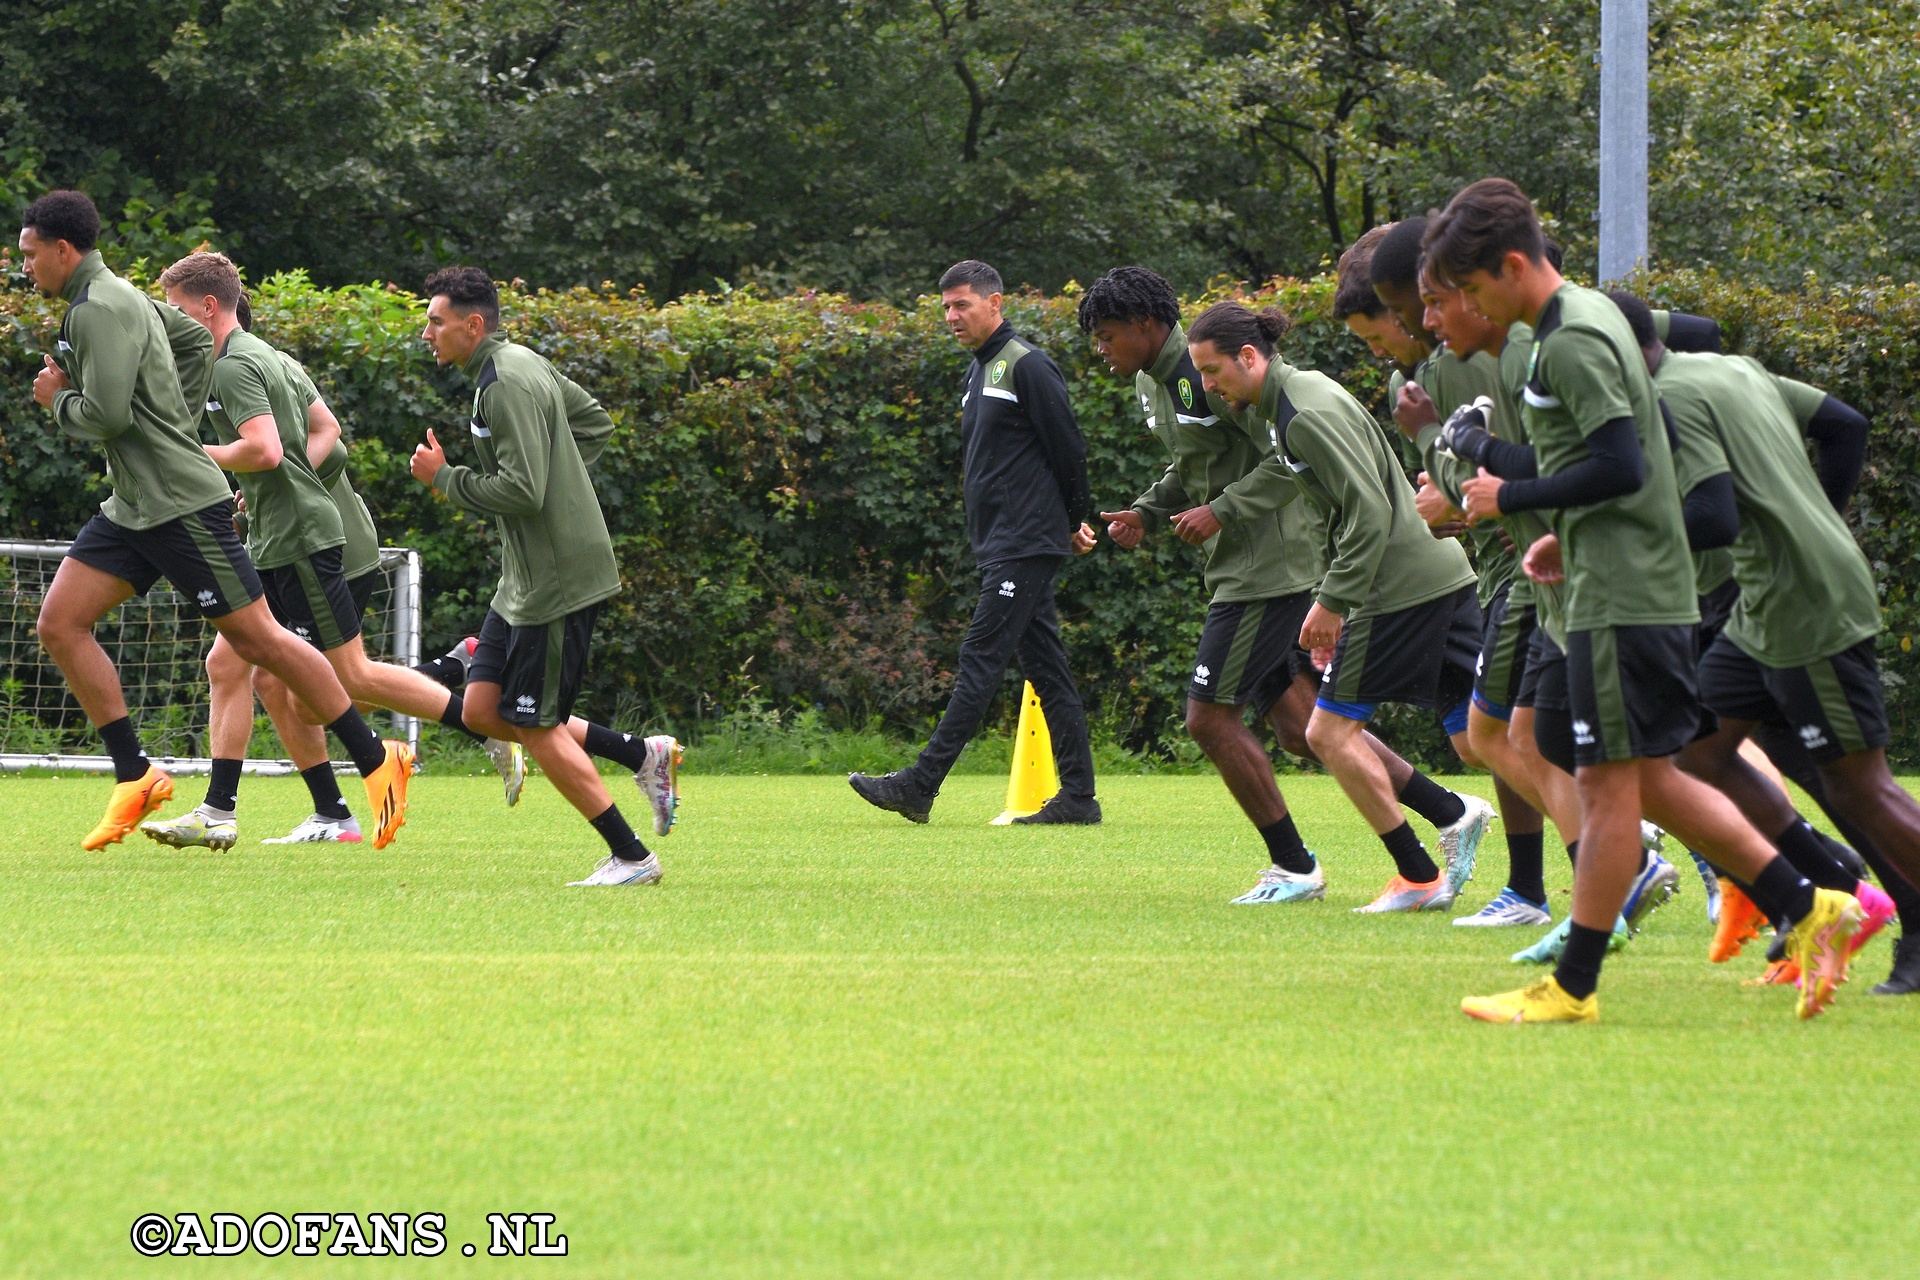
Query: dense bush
x,y
784,488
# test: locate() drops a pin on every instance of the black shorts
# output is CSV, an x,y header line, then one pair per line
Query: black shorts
x,y
1423,656
1835,705
312,598
363,588
538,668
1633,692
1544,686
1250,650
199,554
1716,607
1504,647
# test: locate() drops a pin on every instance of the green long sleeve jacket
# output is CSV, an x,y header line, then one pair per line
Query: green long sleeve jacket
x,y
534,434
126,396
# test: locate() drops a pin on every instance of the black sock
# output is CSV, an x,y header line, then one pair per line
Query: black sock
x,y
1782,892
1800,845
1284,846
444,670
361,742
624,749
1526,875
621,842
1573,853
1409,855
223,785
325,790
1578,972
123,744
451,717
1432,801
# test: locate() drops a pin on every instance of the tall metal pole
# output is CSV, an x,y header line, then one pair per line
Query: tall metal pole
x,y
1623,137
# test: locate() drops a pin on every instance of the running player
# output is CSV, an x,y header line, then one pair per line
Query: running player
x,y
1027,502
1394,617
1600,461
233,682
170,515
1466,370
1742,449
295,534
1264,552
556,566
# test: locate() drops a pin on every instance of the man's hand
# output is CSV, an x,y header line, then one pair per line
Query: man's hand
x,y
1321,630
1413,410
1434,506
50,382
1125,527
1196,525
1083,539
1543,561
428,459
1482,496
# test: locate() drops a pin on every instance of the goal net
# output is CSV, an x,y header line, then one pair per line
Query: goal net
x,y
159,642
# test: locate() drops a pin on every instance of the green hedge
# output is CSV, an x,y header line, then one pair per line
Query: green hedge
x,y
784,489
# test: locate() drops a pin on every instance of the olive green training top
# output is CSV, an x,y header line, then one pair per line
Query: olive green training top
x,y
1381,557
126,395
360,554
289,512
534,435
1626,559
1452,382
1269,545
1806,590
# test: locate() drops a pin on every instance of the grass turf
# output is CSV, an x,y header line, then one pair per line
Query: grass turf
x,y
836,1045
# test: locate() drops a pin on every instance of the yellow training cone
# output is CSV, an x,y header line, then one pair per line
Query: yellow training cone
x,y
1034,778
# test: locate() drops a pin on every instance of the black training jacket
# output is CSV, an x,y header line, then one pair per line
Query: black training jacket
x,y
1026,462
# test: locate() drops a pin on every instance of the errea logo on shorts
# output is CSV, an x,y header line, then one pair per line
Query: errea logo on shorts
x,y
207,599
1006,588
1812,737
1582,733
526,704
1202,673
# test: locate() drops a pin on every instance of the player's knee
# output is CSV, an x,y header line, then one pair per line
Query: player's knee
x,y
55,631
1325,733
477,716
1464,747
1293,740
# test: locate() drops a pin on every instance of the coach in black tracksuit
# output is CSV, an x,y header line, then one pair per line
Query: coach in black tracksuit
x,y
1027,503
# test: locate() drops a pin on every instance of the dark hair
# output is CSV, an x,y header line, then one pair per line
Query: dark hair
x,y
1396,259
1639,317
205,275
469,289
978,276
243,312
1556,256
1480,226
1129,293
1353,295
1230,326
64,215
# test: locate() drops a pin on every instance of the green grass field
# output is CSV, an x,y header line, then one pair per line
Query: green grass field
x,y
835,1045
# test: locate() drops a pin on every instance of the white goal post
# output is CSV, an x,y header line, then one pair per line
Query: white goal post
x,y
159,642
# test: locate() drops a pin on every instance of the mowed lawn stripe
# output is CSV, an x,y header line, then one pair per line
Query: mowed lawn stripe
x,y
837,1045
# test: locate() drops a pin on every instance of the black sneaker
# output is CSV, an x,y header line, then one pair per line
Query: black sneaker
x,y
1905,978
895,791
1064,810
